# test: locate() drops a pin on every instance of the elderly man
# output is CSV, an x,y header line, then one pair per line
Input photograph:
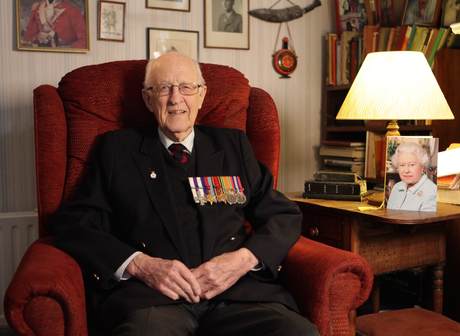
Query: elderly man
x,y
158,224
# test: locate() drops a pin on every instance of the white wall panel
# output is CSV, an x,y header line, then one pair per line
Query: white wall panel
x,y
298,99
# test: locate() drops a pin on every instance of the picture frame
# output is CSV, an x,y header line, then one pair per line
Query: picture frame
x,y
160,41
421,12
350,15
226,28
41,26
174,5
411,173
111,21
450,12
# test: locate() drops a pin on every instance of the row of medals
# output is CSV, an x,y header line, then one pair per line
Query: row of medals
x,y
215,189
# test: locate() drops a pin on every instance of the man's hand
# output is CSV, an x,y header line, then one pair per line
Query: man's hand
x,y
221,272
170,277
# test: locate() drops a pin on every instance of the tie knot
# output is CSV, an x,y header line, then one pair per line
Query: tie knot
x,y
179,153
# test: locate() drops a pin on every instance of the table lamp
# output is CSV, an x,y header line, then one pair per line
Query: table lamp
x,y
395,85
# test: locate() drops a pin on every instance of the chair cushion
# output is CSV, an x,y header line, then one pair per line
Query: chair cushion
x,y
99,98
404,322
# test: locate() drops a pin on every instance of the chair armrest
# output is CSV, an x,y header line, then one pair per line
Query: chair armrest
x,y
46,295
327,283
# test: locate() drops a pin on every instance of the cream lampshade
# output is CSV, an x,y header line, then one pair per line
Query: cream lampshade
x,y
395,85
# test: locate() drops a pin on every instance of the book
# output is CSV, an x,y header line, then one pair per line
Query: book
x,y
449,181
375,155
451,196
341,151
344,165
343,143
333,188
335,176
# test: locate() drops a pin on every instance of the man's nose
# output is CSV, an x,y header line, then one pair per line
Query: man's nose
x,y
174,95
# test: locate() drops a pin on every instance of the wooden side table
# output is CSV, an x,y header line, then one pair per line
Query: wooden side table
x,y
390,240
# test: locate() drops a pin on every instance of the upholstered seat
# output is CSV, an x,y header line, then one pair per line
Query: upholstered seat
x,y
46,295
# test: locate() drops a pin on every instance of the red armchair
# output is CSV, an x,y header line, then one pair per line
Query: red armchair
x,y
46,295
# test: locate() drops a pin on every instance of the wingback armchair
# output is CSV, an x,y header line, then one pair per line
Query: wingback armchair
x,y
46,295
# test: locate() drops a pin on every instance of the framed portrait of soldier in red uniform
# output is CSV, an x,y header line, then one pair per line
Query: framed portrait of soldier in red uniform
x,y
52,25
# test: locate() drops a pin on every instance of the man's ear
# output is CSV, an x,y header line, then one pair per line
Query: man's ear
x,y
202,94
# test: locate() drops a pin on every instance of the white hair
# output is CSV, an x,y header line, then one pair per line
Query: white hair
x,y
152,63
412,148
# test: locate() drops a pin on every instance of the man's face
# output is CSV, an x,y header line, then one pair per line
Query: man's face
x,y
409,168
228,5
175,113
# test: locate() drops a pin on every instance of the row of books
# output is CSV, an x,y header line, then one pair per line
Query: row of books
x,y
347,51
343,156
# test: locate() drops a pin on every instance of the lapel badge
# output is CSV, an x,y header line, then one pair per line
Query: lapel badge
x,y
153,175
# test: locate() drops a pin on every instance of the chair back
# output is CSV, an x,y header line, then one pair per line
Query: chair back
x,y
94,99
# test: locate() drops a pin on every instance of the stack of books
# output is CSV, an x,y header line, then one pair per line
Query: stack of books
x,y
343,156
449,175
341,171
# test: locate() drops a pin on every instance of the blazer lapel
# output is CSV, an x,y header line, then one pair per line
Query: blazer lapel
x,y
209,163
152,167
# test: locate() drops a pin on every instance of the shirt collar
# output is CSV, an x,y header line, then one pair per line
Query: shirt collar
x,y
187,142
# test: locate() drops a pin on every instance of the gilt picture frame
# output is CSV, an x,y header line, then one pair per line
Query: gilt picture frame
x,y
421,12
54,27
111,21
226,24
160,41
174,5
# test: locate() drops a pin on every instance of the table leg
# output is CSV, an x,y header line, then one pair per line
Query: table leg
x,y
438,287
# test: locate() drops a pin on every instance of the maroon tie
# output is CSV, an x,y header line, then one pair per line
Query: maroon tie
x,y
179,153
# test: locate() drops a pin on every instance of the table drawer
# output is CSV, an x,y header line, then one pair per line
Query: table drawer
x,y
326,229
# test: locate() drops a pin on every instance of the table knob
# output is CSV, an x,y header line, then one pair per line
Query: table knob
x,y
313,232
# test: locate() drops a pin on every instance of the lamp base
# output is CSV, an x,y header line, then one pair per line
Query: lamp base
x,y
392,129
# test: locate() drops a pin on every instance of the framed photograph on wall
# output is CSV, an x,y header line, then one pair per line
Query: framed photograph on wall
x,y
58,26
411,173
226,24
450,12
350,15
421,12
111,21
160,41
177,5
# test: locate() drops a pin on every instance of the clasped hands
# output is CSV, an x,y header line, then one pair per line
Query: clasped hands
x,y
175,280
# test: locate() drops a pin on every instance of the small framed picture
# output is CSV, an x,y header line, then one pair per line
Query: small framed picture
x,y
411,173
58,26
160,41
450,12
421,12
111,21
350,15
177,5
226,24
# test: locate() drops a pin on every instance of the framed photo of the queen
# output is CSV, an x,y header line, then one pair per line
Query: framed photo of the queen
x,y
226,24
52,25
160,41
111,21
411,173
177,5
